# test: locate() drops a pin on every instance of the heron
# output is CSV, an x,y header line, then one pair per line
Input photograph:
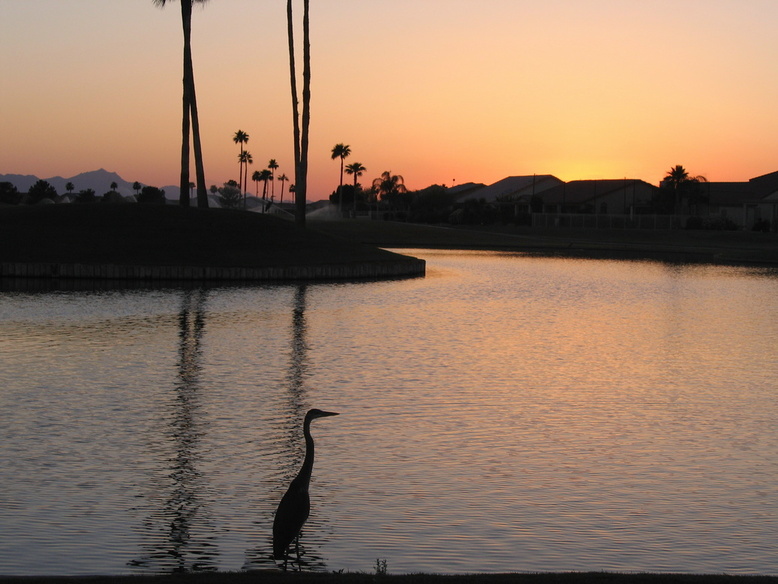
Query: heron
x,y
295,505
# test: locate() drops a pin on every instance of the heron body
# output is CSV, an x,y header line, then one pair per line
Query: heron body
x,y
295,505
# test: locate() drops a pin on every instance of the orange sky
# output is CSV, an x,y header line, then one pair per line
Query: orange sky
x,y
439,91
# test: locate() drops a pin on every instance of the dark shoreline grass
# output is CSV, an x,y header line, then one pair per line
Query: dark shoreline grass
x,y
134,234
721,247
273,577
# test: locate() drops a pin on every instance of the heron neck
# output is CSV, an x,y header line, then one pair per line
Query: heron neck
x,y
307,469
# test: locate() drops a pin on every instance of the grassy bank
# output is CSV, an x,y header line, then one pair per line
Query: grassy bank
x,y
735,247
167,235
171,235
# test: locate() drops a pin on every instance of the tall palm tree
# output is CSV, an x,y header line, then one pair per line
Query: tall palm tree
x,y
300,133
241,138
190,114
356,169
283,178
341,151
272,165
256,177
264,175
247,159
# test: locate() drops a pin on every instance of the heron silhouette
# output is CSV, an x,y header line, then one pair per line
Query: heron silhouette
x,y
295,505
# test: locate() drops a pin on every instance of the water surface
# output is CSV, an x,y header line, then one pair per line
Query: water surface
x,y
505,413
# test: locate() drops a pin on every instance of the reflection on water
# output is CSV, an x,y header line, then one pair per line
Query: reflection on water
x,y
504,413
178,534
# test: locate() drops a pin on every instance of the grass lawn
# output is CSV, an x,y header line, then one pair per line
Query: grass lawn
x,y
133,234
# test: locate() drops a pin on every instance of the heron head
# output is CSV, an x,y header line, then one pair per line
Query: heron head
x,y
316,413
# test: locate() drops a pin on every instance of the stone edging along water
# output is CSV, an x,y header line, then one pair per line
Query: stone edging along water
x,y
410,267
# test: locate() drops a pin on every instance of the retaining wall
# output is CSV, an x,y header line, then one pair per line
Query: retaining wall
x,y
363,271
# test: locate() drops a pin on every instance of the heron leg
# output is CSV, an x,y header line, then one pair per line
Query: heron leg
x,y
297,550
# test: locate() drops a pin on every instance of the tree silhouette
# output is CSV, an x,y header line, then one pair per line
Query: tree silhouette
x,y
272,165
241,138
389,184
283,178
300,133
356,169
682,183
341,151
114,186
69,187
41,190
246,159
190,114
257,177
136,186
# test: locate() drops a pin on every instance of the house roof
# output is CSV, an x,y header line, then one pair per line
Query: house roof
x,y
514,187
577,192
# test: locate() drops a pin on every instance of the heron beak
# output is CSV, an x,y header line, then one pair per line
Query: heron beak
x,y
323,414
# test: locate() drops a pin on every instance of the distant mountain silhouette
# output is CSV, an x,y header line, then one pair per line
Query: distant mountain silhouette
x,y
97,180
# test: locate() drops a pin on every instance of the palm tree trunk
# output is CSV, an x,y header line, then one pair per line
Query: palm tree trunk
x,y
299,217
300,196
186,20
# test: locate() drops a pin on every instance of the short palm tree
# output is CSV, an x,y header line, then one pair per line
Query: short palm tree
x,y
341,151
190,114
389,184
136,186
69,187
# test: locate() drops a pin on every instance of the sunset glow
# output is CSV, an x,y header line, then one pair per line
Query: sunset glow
x,y
438,91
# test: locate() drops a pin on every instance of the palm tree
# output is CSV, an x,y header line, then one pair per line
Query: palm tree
x,y
283,178
69,187
265,175
136,186
190,114
680,180
246,159
389,184
241,138
300,134
356,169
272,165
341,151
256,177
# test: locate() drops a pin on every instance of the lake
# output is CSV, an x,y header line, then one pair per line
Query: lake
x,y
504,413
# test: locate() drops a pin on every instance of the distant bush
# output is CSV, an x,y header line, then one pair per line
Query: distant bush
x,y
152,196
229,196
9,194
86,196
41,190
711,223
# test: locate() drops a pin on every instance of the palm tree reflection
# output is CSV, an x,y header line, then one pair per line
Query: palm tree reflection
x,y
178,533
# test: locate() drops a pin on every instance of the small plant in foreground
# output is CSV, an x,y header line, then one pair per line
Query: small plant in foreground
x,y
380,567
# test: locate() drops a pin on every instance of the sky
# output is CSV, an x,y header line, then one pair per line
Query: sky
x,y
437,91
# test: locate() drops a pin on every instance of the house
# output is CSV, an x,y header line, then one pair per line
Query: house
x,y
602,196
515,189
746,204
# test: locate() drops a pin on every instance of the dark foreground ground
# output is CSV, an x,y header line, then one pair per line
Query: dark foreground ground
x,y
272,577
171,235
